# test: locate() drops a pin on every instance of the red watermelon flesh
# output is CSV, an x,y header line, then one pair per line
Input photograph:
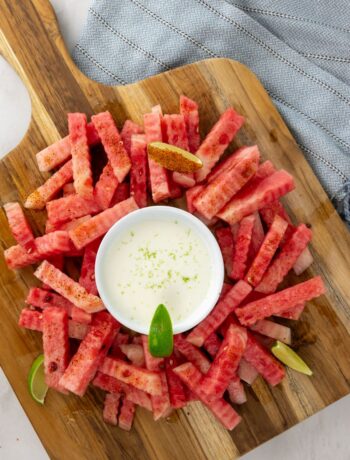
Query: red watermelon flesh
x,y
267,250
81,161
19,226
280,301
247,202
216,194
217,140
112,144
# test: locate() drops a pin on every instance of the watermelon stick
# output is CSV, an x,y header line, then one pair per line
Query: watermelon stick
x,y
283,300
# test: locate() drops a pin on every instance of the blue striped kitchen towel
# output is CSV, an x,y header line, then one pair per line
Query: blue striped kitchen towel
x,y
299,50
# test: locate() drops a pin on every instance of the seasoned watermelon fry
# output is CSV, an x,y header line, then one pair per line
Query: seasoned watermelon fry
x,y
68,288
55,243
281,301
265,170
55,346
292,313
195,356
176,134
111,407
267,250
80,316
219,192
175,128
67,226
212,344
70,207
217,140
268,213
87,274
112,385
105,187
273,330
98,225
247,372
152,363
241,247
19,226
248,201
77,330
236,391
285,260
112,144
192,353
121,194
185,180
258,236
45,246
160,403
59,152
303,262
223,308
263,361
129,129
161,406
126,416
235,388
225,165
33,320
225,240
177,394
158,174
134,353
115,350
138,175
58,262
140,378
81,161
191,194
41,298
44,193
225,364
91,352
191,376
189,110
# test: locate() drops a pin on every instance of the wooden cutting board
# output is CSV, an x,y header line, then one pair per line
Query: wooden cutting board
x,y
72,428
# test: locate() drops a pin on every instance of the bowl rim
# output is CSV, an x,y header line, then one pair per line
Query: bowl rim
x,y
145,214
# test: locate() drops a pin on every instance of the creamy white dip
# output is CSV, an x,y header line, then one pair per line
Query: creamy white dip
x,y
157,262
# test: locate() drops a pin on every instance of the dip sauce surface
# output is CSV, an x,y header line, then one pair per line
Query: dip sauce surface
x,y
157,262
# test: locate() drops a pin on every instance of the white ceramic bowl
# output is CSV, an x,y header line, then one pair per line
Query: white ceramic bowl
x,y
166,213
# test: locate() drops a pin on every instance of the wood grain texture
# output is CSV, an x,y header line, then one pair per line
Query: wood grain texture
x,y
70,427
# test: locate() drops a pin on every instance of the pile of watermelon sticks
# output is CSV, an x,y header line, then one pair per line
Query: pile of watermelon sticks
x,y
238,197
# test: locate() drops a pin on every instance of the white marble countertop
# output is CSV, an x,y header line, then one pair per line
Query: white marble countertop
x,y
323,436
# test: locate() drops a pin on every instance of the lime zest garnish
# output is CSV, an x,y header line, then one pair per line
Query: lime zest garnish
x,y
36,380
160,339
291,359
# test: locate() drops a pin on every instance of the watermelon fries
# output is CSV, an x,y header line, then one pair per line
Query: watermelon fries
x,y
237,194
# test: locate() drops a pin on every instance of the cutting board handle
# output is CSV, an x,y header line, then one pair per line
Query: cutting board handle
x,y
31,42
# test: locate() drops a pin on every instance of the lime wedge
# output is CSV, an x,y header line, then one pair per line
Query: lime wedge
x,y
288,357
36,380
160,339
173,158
